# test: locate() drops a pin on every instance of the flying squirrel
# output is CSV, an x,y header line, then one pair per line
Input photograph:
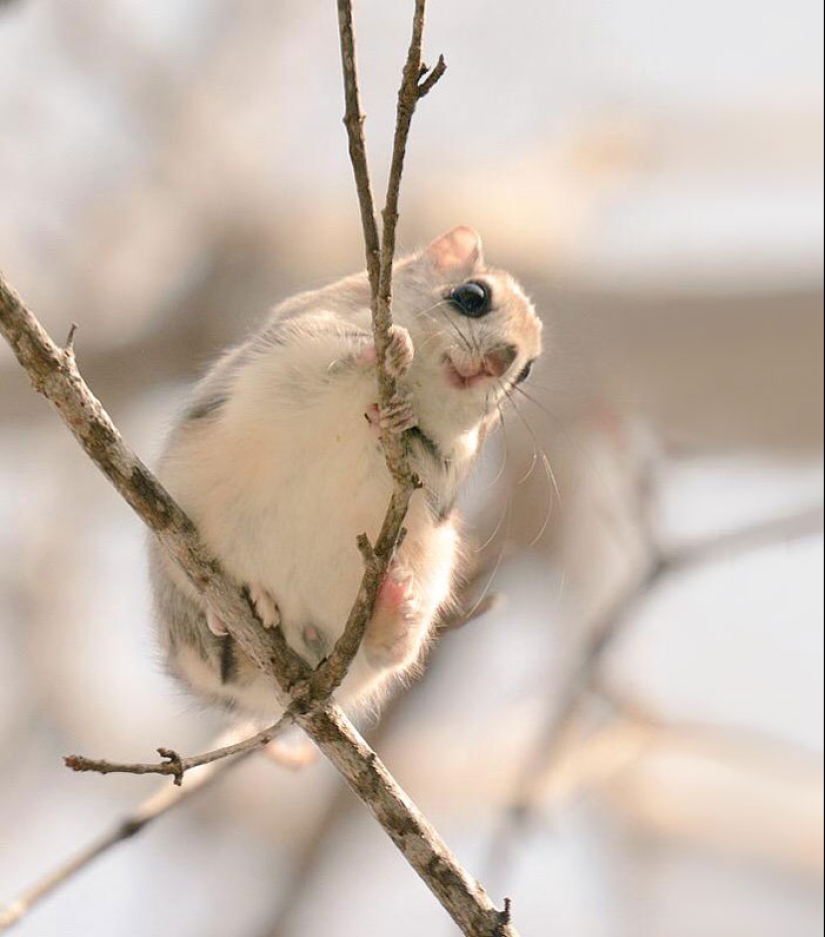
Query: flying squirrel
x,y
278,460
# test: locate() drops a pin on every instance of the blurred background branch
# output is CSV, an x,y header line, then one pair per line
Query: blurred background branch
x,y
154,807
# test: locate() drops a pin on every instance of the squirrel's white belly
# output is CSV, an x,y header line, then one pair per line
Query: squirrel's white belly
x,y
283,508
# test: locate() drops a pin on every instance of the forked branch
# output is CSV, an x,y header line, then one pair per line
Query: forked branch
x,y
417,81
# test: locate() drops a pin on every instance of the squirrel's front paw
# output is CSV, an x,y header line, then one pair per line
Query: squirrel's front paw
x,y
265,606
398,417
399,355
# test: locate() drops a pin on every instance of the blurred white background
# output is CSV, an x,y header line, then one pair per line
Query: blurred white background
x,y
653,174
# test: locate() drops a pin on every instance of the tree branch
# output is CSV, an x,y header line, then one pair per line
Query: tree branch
x,y
410,92
379,256
354,122
336,810
175,764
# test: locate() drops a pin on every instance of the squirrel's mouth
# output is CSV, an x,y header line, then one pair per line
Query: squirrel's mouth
x,y
467,373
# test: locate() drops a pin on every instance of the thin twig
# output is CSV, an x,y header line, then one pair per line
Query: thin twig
x,y
354,122
175,764
69,346
408,96
379,256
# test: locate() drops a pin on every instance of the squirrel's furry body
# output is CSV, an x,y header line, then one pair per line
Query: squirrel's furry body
x,y
277,461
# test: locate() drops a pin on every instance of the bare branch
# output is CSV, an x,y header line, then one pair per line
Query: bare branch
x,y
337,809
408,96
53,373
380,257
175,764
462,896
426,82
354,122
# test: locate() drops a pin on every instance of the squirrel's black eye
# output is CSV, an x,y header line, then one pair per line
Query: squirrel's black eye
x,y
471,299
524,373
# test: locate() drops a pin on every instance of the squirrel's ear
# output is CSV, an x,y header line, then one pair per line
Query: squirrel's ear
x,y
459,249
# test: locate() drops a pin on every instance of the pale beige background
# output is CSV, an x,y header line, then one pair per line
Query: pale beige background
x,y
653,173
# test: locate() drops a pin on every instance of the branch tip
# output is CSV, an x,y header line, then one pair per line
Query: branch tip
x,y
69,346
505,918
367,551
426,83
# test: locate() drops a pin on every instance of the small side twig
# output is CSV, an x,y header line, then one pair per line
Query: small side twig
x,y
176,765
69,346
426,82
506,916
